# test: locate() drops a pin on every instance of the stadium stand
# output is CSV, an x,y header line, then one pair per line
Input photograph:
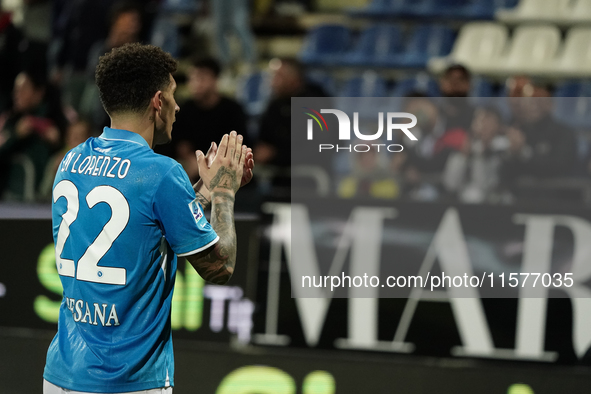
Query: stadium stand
x,y
531,51
478,44
433,9
576,54
572,104
426,41
253,92
377,46
534,11
325,45
421,83
395,48
560,12
370,84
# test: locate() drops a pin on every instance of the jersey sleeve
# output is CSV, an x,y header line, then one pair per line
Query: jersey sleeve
x,y
181,216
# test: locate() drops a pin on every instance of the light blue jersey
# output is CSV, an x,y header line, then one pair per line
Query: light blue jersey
x,y
121,214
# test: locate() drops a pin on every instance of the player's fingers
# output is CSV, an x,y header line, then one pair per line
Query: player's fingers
x,y
200,159
214,153
239,151
211,153
223,145
231,145
248,155
242,156
210,150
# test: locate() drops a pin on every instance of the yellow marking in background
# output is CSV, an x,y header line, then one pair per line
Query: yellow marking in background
x,y
520,388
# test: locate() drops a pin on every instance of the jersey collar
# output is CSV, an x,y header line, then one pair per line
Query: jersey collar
x,y
123,135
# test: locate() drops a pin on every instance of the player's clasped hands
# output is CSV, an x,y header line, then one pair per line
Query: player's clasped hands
x,y
227,167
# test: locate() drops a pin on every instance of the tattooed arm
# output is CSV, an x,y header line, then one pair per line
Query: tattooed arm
x,y
222,178
203,195
216,264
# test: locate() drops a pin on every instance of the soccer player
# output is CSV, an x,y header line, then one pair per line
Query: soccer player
x,y
121,215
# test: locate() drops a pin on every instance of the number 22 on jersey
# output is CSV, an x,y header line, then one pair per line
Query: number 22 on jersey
x,y
88,268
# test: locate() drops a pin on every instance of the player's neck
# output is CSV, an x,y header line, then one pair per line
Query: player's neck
x,y
141,125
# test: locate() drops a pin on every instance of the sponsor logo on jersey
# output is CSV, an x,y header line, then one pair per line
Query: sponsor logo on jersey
x,y
196,210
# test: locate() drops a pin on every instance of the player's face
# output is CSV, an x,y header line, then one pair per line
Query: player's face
x,y
167,114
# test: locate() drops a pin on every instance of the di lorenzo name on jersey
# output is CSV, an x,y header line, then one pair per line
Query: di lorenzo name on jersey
x,y
101,166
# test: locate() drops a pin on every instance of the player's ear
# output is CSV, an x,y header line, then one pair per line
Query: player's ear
x,y
156,101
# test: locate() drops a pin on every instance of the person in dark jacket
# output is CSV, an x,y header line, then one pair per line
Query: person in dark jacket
x,y
539,146
206,116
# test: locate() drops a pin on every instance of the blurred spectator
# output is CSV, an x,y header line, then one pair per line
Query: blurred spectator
x,y
28,136
455,81
76,133
233,16
288,80
436,142
519,86
37,21
10,58
77,25
516,88
538,146
371,177
125,27
429,128
472,174
455,87
424,159
205,117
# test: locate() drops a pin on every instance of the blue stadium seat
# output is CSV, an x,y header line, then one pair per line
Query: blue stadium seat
x,y
384,9
481,87
482,93
433,9
324,80
181,6
421,83
369,84
438,8
485,9
426,41
253,92
376,46
572,104
325,45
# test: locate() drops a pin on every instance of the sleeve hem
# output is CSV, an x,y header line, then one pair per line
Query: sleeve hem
x,y
217,238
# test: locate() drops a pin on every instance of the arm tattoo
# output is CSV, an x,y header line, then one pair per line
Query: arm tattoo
x,y
205,203
225,179
217,266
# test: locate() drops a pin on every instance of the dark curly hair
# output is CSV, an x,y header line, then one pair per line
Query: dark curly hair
x,y
127,77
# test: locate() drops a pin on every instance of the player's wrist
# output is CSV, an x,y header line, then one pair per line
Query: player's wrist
x,y
220,192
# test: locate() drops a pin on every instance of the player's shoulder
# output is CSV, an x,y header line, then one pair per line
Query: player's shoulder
x,y
163,169
164,161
